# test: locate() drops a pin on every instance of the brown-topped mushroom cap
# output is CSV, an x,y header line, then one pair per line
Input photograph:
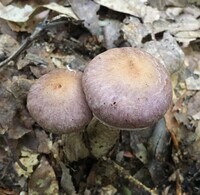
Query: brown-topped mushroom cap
x,y
57,102
127,88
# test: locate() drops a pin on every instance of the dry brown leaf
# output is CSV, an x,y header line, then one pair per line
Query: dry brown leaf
x,y
25,17
172,127
74,147
8,44
158,143
19,87
134,31
194,104
8,108
111,32
178,104
43,180
5,29
86,10
22,14
45,144
193,82
14,13
182,24
133,7
29,159
18,120
66,180
67,11
167,51
7,192
108,190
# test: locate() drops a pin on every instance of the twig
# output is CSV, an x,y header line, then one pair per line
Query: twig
x,y
27,42
132,179
36,33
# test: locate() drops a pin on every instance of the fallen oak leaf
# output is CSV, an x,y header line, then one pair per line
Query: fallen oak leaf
x,y
19,18
172,126
43,179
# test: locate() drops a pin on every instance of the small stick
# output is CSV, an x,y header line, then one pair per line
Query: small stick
x,y
132,179
36,33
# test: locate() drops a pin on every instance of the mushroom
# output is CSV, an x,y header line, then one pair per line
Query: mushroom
x,y
127,88
57,103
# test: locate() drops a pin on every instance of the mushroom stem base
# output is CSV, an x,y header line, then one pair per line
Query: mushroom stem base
x,y
74,147
101,138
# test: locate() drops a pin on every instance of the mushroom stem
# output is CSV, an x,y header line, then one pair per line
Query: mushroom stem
x,y
74,146
101,137
142,134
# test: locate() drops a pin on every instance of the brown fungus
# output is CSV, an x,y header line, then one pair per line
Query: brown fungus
x,y
57,102
127,88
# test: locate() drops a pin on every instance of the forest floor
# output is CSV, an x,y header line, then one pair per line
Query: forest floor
x,y
39,36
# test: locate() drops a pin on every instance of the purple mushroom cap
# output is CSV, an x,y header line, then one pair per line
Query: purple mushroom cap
x,y
57,102
127,88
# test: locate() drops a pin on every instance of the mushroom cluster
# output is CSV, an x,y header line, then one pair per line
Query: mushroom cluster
x,y
125,88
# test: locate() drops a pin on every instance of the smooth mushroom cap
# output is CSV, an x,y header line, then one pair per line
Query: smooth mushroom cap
x,y
127,88
57,102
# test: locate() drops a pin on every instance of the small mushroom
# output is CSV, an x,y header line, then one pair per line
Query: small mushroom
x,y
57,103
127,88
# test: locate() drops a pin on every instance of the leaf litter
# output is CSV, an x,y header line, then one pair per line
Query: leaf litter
x,y
163,161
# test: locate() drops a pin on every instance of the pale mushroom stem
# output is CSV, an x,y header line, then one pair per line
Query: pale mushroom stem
x,y
101,137
74,146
